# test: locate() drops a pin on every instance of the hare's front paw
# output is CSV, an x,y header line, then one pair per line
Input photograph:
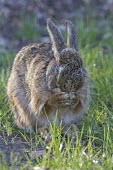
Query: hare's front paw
x,y
74,99
62,99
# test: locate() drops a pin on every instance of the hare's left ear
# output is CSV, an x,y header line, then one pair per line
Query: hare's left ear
x,y
71,35
56,37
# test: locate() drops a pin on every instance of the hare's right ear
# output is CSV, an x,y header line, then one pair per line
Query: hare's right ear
x,y
56,37
71,35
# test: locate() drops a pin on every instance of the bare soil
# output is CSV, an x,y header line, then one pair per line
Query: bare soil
x,y
15,148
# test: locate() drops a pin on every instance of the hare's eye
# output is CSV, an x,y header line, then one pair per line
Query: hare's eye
x,y
33,49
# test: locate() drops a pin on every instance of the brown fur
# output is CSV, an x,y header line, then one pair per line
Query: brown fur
x,y
34,92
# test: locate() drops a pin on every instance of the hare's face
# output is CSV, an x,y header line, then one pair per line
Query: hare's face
x,y
71,79
71,71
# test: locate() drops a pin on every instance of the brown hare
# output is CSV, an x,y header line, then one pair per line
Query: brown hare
x,y
48,78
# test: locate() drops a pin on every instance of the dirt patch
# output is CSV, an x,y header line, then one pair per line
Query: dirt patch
x,y
15,148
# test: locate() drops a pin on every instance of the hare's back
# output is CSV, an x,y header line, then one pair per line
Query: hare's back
x,y
29,52
28,61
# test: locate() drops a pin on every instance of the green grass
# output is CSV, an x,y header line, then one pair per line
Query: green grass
x,y
28,28
94,149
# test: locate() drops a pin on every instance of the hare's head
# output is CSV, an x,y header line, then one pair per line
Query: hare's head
x,y
66,55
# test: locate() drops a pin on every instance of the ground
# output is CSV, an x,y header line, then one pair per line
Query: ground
x,y
93,20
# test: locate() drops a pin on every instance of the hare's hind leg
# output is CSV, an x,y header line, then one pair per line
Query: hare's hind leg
x,y
19,101
20,122
23,115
